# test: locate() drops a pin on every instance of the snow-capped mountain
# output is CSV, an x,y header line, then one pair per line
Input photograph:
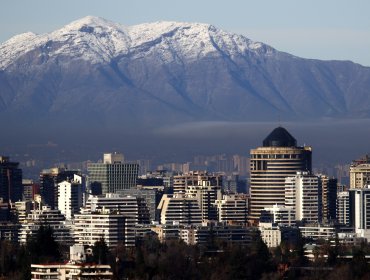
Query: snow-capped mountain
x,y
96,71
99,41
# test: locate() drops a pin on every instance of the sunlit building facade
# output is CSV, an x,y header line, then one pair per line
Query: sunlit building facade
x,y
278,158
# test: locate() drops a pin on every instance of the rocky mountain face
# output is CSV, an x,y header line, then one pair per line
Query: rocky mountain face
x,y
93,72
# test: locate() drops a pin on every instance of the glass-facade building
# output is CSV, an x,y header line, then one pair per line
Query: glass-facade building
x,y
112,177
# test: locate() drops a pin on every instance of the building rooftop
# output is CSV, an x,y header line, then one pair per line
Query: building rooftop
x,y
280,137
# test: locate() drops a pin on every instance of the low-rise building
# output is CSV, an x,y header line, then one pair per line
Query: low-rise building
x,y
179,208
232,208
9,231
202,234
166,232
76,268
270,234
318,231
278,214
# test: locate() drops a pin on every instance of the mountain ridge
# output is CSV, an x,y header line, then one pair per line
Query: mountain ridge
x,y
97,71
122,39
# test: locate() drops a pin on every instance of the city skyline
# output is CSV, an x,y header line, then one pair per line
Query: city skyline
x,y
287,203
184,140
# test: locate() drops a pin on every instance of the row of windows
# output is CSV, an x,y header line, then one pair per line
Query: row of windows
x,y
277,156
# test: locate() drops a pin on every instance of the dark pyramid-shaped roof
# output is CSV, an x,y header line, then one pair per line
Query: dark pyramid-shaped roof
x,y
280,137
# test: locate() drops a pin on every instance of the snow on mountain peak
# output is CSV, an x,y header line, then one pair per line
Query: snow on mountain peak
x,y
91,24
98,40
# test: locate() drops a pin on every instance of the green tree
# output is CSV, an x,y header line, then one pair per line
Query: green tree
x,y
42,247
359,266
259,248
100,251
23,263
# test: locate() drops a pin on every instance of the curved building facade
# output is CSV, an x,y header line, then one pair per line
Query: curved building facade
x,y
278,158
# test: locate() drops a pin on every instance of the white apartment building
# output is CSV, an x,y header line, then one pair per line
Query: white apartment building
x,y
91,227
46,216
317,231
270,234
76,268
132,208
343,208
70,196
359,205
302,193
78,271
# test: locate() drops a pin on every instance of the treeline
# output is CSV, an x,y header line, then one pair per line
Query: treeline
x,y
219,260
15,259
174,259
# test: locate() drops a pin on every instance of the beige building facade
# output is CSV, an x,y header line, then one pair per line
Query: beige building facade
x,y
278,158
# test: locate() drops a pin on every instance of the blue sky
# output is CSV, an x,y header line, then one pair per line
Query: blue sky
x,y
325,29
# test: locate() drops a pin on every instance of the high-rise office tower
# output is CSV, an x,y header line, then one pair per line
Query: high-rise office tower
x,y
113,174
10,180
279,157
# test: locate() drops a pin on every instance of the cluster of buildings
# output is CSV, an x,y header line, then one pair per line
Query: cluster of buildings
x,y
111,201
285,195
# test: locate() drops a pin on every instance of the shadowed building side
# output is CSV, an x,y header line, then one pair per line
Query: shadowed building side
x,y
10,180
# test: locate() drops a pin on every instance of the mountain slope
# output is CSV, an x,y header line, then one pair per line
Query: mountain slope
x,y
95,72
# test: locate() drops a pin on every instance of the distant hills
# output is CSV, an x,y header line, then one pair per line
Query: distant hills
x,y
94,72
